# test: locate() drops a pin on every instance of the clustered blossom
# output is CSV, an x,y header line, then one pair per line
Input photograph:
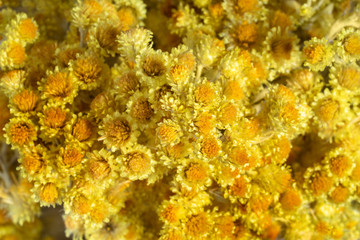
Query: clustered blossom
x,y
180,119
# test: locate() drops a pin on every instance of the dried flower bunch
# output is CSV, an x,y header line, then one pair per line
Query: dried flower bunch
x,y
180,119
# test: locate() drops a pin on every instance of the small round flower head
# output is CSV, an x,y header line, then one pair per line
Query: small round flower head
x,y
169,132
339,194
242,34
130,13
86,12
59,86
244,156
228,114
101,167
88,70
318,54
348,44
281,51
23,28
134,42
233,90
81,204
205,123
81,131
140,108
198,225
137,163
282,20
305,83
317,181
339,163
171,212
245,9
182,19
210,146
20,132
152,67
118,131
182,66
25,101
205,95
49,193
239,189
290,200
126,84
286,113
207,49
67,53
276,149
346,76
103,37
273,178
53,119
194,174
71,156
12,55
234,65
12,81
102,105
331,111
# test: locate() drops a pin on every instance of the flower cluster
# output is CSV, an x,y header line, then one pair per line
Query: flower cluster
x,y
238,119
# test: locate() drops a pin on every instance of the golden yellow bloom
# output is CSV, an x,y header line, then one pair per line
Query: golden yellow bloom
x,y
228,114
141,109
239,155
81,204
67,55
197,225
55,117
28,29
127,17
210,147
33,163
172,213
72,156
26,100
339,194
106,36
195,172
320,183
16,53
153,66
204,94
137,162
127,83
21,133
352,45
240,187
205,122
88,71
327,110
49,193
118,130
82,129
315,53
281,19
59,85
169,132
290,200
99,169
245,34
233,91
339,165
